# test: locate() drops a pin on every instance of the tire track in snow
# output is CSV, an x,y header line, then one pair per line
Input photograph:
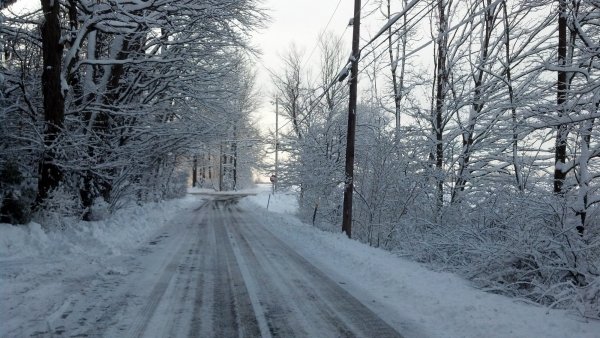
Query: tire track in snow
x,y
284,319
142,320
342,312
223,274
235,314
305,307
251,286
201,321
170,314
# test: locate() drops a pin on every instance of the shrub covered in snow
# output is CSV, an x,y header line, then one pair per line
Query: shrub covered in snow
x,y
521,245
16,197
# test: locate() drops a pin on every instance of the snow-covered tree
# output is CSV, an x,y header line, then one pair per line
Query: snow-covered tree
x,y
126,88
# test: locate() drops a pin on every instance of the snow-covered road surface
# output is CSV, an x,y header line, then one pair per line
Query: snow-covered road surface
x,y
290,296
217,272
183,268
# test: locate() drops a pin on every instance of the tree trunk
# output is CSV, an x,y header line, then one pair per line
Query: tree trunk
x,y
397,83
442,42
195,172
50,174
477,105
511,95
561,99
210,167
584,175
234,159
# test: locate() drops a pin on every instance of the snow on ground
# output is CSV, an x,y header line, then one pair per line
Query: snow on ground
x,y
38,267
283,201
424,302
125,228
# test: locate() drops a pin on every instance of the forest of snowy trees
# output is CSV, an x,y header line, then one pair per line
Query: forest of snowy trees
x,y
477,141
483,159
104,102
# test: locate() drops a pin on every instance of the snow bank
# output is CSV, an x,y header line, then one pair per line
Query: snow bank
x,y
284,201
424,303
40,268
126,228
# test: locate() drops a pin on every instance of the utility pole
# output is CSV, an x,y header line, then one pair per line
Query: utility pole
x,y
221,166
234,147
195,171
276,142
349,187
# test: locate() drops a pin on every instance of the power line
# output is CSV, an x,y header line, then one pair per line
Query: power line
x,y
390,22
386,27
325,29
346,69
453,28
371,51
339,41
322,32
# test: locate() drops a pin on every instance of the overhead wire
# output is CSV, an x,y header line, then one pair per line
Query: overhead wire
x,y
453,28
316,44
386,27
338,43
333,82
396,39
322,32
430,41
388,24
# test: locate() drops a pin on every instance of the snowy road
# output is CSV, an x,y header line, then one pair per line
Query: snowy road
x,y
188,268
216,273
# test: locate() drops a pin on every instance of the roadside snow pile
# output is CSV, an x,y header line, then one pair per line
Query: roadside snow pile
x,y
283,201
423,302
40,268
111,236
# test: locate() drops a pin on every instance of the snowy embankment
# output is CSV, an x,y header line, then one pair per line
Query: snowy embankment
x,y
38,267
424,302
124,229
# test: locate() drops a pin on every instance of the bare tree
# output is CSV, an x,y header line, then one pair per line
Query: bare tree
x,y
291,89
440,84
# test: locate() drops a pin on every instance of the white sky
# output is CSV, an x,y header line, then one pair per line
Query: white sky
x,y
299,22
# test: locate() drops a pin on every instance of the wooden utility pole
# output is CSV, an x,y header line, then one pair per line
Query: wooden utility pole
x,y
349,187
276,142
221,158
195,171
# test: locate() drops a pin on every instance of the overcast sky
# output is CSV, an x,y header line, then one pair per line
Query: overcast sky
x,y
301,23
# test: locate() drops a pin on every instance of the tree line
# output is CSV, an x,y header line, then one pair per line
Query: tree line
x,y
482,159
111,101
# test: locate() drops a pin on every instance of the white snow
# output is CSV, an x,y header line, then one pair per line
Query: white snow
x,y
283,202
406,294
124,229
39,269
